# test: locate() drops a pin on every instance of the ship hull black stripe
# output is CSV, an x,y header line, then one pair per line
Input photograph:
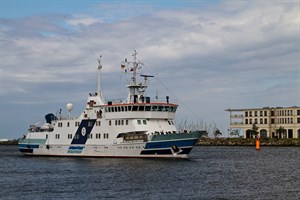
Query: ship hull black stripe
x,y
79,138
165,151
26,150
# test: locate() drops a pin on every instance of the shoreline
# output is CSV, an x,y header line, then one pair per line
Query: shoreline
x,y
284,142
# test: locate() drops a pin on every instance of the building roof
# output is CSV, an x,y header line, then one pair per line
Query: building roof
x,y
264,108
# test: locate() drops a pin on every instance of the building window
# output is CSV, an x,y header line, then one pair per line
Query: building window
x,y
272,121
139,122
59,124
266,113
126,122
46,136
291,120
255,121
266,121
261,113
68,124
144,122
76,124
298,112
90,136
250,113
56,136
261,121
250,121
272,113
298,120
98,123
109,122
246,113
246,121
69,136
255,113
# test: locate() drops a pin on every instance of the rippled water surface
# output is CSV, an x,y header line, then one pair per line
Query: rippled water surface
x,y
211,173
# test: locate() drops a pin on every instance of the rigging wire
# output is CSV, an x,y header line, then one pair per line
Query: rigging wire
x,y
169,90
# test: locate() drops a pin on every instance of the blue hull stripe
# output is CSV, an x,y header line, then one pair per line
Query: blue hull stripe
x,y
75,148
168,144
29,146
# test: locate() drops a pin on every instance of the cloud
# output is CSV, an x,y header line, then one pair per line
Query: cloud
x,y
82,20
230,54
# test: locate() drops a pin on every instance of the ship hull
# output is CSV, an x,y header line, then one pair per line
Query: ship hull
x,y
161,146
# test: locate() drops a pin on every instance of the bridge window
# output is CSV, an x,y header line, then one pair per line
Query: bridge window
x,y
141,108
160,108
134,108
147,108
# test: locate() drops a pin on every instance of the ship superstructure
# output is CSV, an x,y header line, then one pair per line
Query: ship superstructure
x,y
134,127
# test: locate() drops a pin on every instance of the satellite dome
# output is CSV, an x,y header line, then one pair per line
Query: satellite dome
x,y
69,107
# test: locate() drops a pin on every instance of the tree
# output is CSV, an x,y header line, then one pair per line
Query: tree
x,y
254,129
217,133
280,131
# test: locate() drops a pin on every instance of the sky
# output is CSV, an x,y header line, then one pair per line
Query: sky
x,y
207,55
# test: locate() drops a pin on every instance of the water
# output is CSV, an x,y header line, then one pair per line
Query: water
x,y
211,173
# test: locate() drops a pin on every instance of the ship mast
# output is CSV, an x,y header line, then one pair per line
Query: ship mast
x,y
136,90
99,91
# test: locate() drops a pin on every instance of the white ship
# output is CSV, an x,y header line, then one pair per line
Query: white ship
x,y
135,127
